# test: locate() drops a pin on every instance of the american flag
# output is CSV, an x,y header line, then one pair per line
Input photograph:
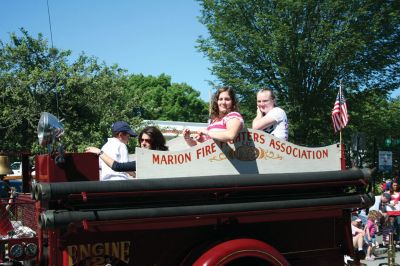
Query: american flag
x,y
339,113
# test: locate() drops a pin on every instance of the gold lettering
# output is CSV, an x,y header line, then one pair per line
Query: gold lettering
x,y
107,248
115,249
94,254
97,249
125,245
72,254
84,251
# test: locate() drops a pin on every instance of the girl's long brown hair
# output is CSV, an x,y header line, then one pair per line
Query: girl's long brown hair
x,y
214,105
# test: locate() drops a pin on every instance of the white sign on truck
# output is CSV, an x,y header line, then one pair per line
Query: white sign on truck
x,y
252,152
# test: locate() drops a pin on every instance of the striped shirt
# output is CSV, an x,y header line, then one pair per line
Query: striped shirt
x,y
220,124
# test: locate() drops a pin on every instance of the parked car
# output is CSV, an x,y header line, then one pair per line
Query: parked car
x,y
4,188
16,167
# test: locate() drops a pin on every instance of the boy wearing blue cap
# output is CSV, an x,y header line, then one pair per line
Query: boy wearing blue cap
x,y
116,148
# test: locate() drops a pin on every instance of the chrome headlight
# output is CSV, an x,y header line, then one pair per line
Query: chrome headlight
x,y
16,251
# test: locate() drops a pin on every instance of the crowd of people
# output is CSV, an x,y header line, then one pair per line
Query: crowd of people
x,y
226,122
382,218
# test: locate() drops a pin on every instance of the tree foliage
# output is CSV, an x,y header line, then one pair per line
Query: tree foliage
x,y
87,95
36,78
376,119
157,98
301,49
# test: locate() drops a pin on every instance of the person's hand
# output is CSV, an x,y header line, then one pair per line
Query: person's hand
x,y
203,132
186,133
198,137
259,113
93,150
133,174
202,135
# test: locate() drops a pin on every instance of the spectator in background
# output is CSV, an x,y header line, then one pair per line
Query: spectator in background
x,y
370,233
394,193
358,236
385,204
394,200
388,228
386,185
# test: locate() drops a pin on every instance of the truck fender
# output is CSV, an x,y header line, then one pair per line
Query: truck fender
x,y
231,250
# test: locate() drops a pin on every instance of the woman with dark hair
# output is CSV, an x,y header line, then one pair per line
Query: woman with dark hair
x,y
395,201
394,192
149,138
152,138
226,121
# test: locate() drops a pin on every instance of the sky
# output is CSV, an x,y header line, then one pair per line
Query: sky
x,y
148,37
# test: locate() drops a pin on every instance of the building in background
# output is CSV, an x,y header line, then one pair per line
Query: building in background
x,y
172,131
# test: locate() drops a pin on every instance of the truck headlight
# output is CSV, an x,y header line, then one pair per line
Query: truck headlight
x,y
16,251
31,249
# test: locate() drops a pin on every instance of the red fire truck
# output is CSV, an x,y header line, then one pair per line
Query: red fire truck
x,y
247,218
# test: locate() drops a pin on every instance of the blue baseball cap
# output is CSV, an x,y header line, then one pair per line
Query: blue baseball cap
x,y
121,126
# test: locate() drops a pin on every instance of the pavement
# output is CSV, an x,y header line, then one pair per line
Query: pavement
x,y
382,258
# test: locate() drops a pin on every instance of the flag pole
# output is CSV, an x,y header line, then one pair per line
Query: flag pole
x,y
343,163
340,111
209,106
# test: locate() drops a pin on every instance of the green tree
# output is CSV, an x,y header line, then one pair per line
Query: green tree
x,y
301,49
372,118
156,98
86,95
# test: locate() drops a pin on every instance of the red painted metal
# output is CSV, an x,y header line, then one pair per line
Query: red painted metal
x,y
55,258
84,196
342,158
85,225
77,167
256,234
232,250
66,258
5,223
393,213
